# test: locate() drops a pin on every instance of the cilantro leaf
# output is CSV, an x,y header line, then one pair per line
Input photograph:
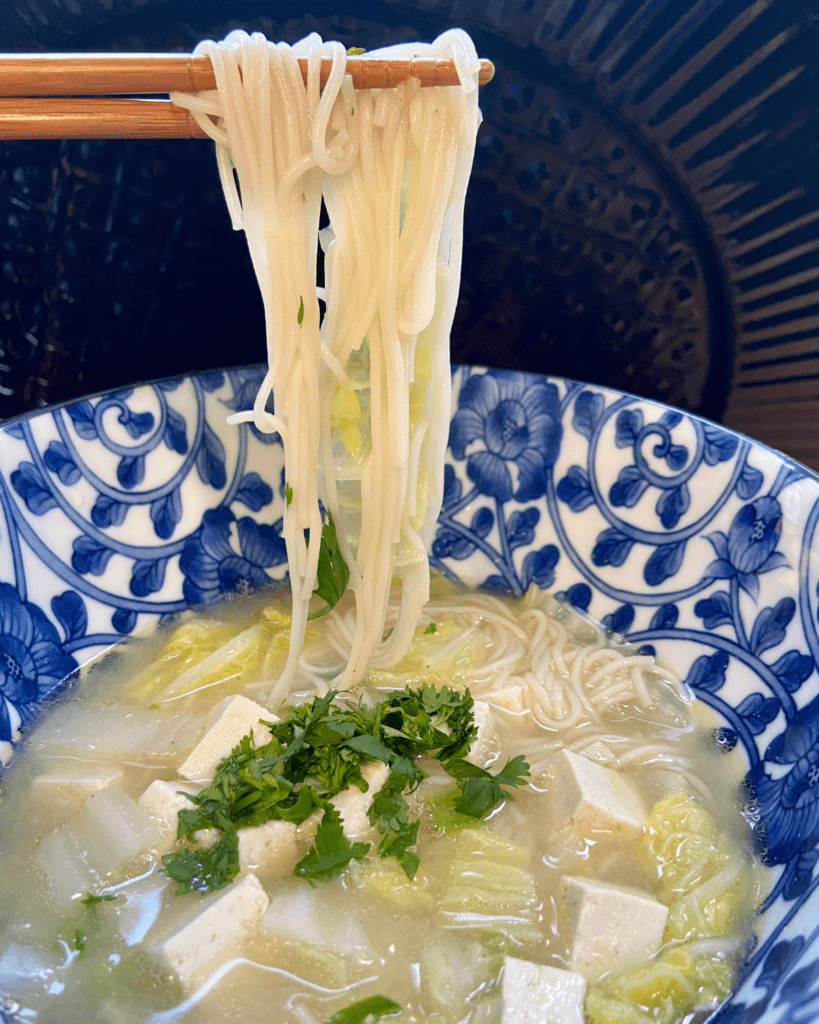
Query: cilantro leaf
x,y
205,870
300,314
333,573
80,941
288,493
397,844
480,790
354,51
431,628
92,900
365,1009
514,773
332,851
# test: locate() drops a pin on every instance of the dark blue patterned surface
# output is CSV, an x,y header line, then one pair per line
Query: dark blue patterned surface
x,y
695,542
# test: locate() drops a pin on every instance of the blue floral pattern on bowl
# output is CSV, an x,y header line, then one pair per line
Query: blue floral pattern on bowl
x,y
696,543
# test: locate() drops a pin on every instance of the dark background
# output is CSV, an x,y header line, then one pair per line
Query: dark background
x,y
643,168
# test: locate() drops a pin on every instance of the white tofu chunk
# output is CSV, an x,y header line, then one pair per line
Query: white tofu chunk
x,y
114,829
104,732
61,857
591,797
268,850
609,926
299,913
353,805
538,994
163,801
232,718
215,933
487,745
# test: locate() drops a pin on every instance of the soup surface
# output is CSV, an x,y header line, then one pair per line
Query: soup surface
x,y
582,854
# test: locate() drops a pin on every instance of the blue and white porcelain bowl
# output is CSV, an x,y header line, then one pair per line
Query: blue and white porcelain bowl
x,y
693,541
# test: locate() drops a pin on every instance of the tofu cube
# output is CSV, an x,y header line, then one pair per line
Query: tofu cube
x,y
268,850
163,801
353,805
114,829
214,934
591,797
538,994
486,746
232,718
609,926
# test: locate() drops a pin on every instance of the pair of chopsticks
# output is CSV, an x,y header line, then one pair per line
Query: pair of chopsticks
x,y
98,96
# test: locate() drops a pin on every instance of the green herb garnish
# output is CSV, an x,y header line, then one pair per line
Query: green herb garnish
x,y
92,900
154,707
431,628
333,572
332,851
288,493
374,1008
300,314
318,751
80,941
355,51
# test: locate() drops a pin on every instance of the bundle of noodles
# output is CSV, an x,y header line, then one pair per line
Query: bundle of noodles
x,y
362,396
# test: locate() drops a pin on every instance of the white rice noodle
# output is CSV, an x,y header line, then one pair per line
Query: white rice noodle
x,y
392,269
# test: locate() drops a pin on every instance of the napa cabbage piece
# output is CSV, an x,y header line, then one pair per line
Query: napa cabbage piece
x,y
206,654
441,658
489,886
188,645
457,973
706,888
385,880
681,979
445,819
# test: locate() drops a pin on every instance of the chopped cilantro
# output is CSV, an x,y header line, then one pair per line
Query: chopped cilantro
x,y
366,1009
154,707
333,572
300,314
480,790
80,941
354,51
205,870
92,900
317,751
288,493
431,628
332,851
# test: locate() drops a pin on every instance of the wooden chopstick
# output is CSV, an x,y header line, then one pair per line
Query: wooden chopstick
x,y
41,95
